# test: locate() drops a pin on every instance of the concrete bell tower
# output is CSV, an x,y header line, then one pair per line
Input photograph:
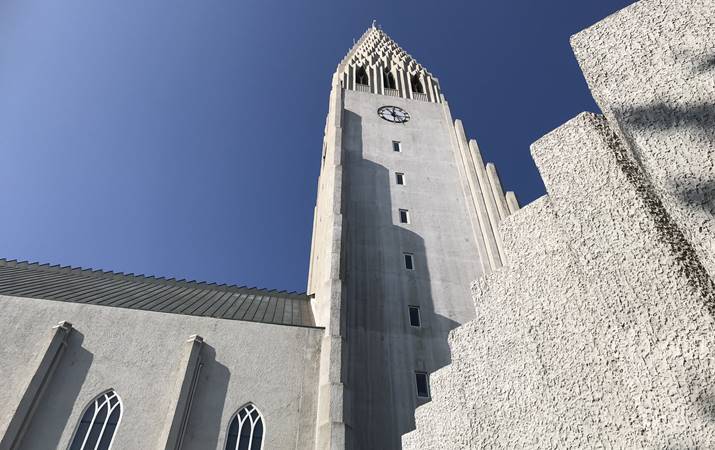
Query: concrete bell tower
x,y
406,219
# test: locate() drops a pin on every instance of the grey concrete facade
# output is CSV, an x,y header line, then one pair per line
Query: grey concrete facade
x,y
599,332
144,356
334,368
358,275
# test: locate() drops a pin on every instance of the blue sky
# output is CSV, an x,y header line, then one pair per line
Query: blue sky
x,y
182,138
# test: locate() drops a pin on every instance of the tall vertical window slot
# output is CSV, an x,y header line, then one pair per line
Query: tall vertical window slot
x,y
400,178
409,261
415,316
388,79
416,84
422,381
361,77
397,146
404,216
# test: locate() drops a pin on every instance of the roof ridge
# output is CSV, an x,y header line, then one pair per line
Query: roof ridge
x,y
99,273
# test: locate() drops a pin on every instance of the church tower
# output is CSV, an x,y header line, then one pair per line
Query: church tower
x,y
406,219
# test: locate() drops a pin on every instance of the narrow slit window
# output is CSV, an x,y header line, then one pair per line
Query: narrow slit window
x,y
400,178
397,146
415,316
409,261
422,381
416,84
388,80
361,76
404,216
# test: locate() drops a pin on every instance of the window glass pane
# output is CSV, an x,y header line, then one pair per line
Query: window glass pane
x,y
109,430
396,146
404,216
232,434
95,431
415,316
409,264
400,178
257,435
422,384
80,434
96,427
246,430
361,76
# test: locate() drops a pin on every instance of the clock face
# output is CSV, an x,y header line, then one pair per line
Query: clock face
x,y
393,114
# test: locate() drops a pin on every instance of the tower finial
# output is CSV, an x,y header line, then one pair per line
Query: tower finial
x,y
374,24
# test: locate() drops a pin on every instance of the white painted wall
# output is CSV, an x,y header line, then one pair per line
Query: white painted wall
x,y
137,353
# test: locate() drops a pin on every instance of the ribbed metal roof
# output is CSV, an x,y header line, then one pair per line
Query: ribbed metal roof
x,y
96,287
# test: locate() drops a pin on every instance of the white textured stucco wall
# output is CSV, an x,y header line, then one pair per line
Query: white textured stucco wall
x,y
651,69
600,332
137,353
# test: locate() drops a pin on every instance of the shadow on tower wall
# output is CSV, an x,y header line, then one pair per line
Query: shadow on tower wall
x,y
382,351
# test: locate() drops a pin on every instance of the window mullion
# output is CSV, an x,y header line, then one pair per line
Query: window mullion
x,y
106,419
91,424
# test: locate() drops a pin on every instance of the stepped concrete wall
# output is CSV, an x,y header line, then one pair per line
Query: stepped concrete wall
x,y
600,332
651,69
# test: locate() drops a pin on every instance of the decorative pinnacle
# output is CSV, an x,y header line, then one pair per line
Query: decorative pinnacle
x,y
374,24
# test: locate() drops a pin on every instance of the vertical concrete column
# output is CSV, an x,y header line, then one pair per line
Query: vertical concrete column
x,y
489,200
512,202
423,80
312,243
373,78
345,80
182,394
470,207
398,81
438,93
328,286
351,77
429,88
407,84
497,191
380,81
42,373
485,242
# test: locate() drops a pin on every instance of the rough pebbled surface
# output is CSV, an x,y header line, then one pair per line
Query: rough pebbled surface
x,y
600,332
651,69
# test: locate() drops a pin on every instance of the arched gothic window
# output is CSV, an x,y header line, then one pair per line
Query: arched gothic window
x,y
99,423
361,76
388,80
416,84
246,430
